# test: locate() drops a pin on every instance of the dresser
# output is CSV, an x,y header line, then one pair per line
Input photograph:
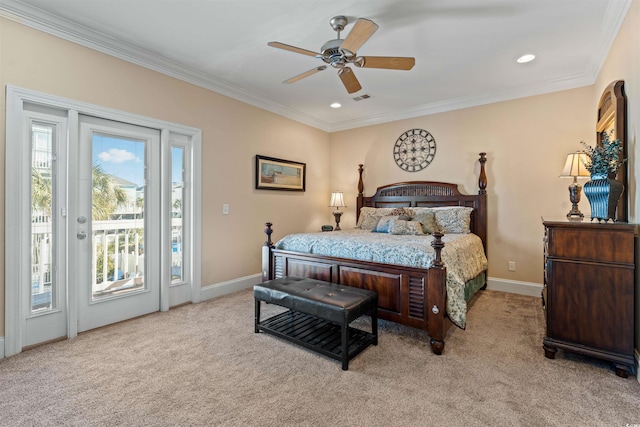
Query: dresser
x,y
588,292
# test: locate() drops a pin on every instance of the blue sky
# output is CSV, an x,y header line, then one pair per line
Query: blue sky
x,y
124,158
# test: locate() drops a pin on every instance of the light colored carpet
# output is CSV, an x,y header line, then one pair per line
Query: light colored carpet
x,y
202,365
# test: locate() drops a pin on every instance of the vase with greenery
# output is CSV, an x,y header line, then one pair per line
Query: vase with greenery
x,y
603,190
603,159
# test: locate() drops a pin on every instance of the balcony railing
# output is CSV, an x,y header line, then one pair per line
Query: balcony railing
x,y
118,242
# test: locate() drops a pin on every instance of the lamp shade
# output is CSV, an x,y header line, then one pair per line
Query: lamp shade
x,y
574,166
337,201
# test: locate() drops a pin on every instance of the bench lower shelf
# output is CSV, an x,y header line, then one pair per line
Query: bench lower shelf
x,y
318,335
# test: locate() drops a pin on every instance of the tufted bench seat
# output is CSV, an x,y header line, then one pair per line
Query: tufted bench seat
x,y
319,315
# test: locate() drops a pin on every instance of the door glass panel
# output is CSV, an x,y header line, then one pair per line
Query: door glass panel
x,y
43,286
177,197
118,205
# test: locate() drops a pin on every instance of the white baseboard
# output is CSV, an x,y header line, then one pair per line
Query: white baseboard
x,y
514,286
1,347
493,283
231,286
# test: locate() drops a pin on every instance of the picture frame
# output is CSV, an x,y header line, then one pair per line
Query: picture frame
x,y
279,174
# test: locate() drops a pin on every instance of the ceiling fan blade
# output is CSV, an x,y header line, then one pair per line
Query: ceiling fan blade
x,y
359,34
292,48
349,80
305,74
388,62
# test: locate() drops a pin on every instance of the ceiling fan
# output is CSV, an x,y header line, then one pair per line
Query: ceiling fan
x,y
338,53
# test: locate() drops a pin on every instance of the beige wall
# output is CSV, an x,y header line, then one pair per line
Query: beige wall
x,y
232,134
526,142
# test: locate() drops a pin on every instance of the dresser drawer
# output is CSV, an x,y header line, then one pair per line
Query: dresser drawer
x,y
591,304
607,244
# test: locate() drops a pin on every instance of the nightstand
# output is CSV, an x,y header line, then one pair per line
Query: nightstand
x,y
589,290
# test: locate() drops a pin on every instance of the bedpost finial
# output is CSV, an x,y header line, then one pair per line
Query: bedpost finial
x,y
268,232
437,245
360,183
482,180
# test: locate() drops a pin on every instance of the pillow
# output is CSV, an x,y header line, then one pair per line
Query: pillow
x,y
428,221
454,219
383,223
366,218
400,226
369,217
418,211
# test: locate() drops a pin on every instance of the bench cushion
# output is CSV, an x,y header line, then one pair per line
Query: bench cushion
x,y
336,303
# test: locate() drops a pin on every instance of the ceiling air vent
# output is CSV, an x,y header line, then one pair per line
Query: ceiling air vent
x,y
361,97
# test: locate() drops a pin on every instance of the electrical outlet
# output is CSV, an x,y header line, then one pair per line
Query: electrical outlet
x,y
225,209
512,266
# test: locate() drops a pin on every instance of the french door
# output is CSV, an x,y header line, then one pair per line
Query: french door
x,y
102,215
117,222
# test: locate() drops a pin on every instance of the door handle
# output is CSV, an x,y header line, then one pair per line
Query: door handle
x,y
81,235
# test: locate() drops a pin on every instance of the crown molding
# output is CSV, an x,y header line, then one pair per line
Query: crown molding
x,y
566,83
68,30
611,23
613,18
84,36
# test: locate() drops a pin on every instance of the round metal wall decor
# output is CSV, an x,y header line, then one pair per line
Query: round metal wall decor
x,y
414,150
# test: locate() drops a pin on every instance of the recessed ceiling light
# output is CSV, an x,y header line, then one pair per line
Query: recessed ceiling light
x,y
336,105
526,58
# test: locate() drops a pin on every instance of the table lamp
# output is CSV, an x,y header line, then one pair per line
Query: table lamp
x,y
337,201
574,168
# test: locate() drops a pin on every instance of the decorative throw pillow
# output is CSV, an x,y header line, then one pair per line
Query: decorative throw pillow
x,y
383,224
428,221
454,219
398,211
369,217
417,211
400,226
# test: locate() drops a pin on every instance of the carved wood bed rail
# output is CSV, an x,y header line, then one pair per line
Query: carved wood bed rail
x,y
414,297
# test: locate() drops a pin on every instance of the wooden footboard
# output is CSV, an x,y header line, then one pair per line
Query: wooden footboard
x,y
409,296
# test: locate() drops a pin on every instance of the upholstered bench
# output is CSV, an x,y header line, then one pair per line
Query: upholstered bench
x,y
319,315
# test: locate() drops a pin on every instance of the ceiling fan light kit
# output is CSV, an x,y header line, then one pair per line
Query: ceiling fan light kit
x,y
338,53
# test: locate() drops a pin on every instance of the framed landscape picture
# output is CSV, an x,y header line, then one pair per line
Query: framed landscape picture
x,y
278,174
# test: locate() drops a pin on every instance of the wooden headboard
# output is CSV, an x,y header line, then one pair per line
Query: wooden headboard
x,y
431,194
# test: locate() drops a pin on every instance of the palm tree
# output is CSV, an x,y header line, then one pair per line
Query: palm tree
x,y
140,205
40,191
106,194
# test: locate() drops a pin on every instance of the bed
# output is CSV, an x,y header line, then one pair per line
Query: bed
x,y
420,294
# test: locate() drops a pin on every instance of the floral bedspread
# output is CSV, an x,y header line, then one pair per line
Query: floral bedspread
x,y
463,256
